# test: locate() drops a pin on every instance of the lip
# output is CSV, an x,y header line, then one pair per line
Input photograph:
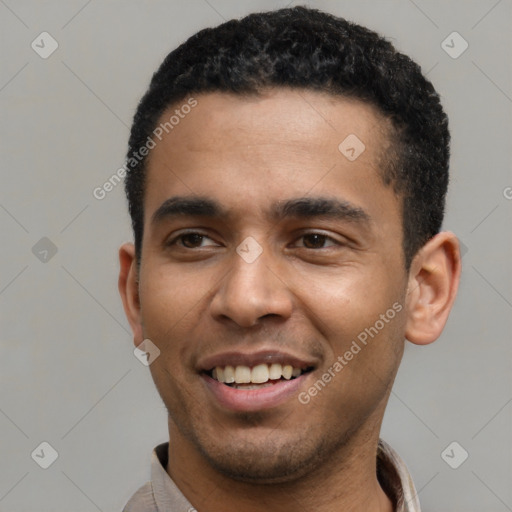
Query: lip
x,y
253,400
252,359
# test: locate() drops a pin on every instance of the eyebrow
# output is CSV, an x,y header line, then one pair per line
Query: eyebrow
x,y
188,206
307,207
302,208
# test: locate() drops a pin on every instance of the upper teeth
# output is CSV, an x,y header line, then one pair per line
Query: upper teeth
x,y
257,375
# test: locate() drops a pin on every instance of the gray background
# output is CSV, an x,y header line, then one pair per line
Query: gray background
x,y
67,371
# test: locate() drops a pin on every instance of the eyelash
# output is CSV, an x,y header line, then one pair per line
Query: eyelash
x,y
179,237
327,238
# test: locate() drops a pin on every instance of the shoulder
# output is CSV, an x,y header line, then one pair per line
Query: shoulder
x,y
142,501
395,478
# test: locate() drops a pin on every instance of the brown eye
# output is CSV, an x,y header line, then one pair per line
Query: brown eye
x,y
314,240
192,240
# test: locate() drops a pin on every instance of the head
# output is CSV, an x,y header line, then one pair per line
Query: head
x,y
306,49
289,214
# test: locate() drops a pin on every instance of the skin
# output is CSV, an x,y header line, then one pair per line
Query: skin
x,y
309,296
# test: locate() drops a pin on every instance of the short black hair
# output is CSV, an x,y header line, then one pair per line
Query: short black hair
x,y
305,48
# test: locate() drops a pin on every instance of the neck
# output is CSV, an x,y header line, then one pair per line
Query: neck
x,y
347,481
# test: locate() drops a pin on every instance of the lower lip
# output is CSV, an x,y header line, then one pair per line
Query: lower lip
x,y
252,400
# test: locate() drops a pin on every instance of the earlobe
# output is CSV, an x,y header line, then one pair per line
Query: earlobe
x,y
129,289
433,282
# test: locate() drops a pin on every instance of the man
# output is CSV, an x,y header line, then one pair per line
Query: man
x,y
286,188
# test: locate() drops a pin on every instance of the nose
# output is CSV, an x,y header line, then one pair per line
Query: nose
x,y
250,292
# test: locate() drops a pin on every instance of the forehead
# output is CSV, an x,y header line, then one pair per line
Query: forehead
x,y
274,116
280,144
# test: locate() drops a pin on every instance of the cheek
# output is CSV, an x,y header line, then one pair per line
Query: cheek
x,y
365,358
371,347
345,300
170,311
361,315
169,295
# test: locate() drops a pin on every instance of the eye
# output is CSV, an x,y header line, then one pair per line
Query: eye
x,y
192,240
316,241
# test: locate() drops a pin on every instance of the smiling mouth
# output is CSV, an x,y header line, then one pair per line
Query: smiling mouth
x,y
256,377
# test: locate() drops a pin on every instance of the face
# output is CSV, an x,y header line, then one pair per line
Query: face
x,y
269,257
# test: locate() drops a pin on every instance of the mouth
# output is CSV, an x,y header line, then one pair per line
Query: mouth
x,y
251,382
258,377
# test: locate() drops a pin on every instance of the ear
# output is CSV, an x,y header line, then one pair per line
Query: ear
x,y
433,281
128,284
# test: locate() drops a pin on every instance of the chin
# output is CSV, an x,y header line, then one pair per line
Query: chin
x,y
254,469
269,461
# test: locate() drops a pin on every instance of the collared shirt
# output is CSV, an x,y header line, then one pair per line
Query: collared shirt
x,y
162,495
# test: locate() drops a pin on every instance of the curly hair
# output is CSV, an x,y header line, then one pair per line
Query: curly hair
x,y
309,49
